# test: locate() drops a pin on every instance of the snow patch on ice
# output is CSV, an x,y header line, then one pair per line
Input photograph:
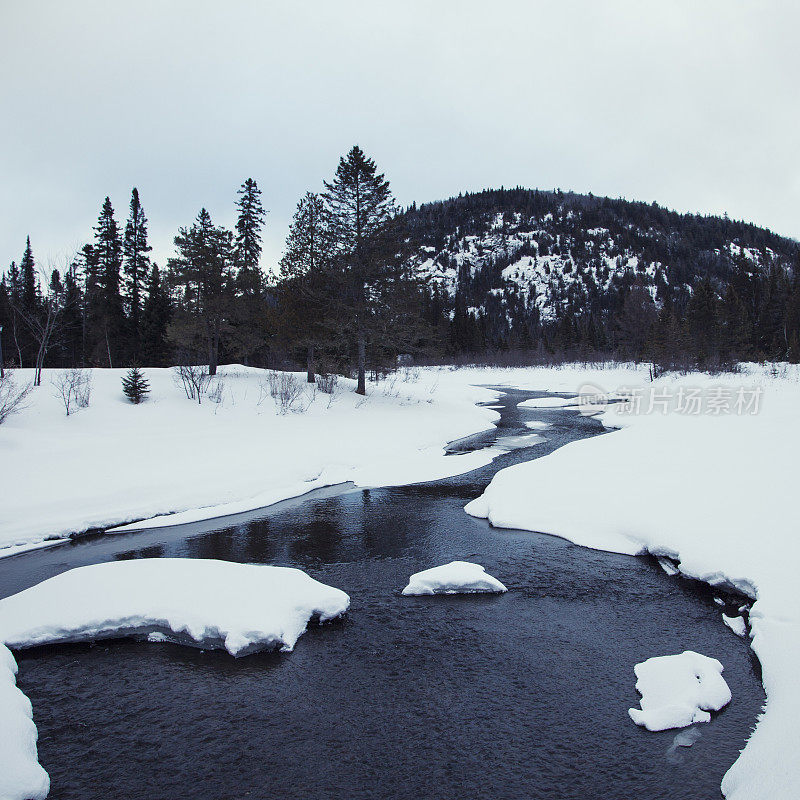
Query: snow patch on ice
x,y
457,577
679,690
537,425
547,402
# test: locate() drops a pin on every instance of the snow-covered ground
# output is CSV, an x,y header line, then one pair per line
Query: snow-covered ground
x,y
678,690
713,490
114,462
21,776
457,577
252,606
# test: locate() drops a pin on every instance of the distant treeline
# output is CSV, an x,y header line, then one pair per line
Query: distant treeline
x,y
349,296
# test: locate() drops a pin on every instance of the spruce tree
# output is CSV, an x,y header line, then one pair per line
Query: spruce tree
x,y
204,269
29,284
134,385
359,206
305,291
108,252
247,250
72,335
155,319
135,249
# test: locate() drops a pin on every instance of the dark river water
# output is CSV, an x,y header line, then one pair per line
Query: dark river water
x,y
523,695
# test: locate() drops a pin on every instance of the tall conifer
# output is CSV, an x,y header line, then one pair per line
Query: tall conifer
x,y
135,249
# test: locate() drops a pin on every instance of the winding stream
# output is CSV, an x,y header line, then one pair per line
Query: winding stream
x,y
523,695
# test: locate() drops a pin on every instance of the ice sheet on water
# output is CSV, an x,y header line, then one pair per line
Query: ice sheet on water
x,y
518,441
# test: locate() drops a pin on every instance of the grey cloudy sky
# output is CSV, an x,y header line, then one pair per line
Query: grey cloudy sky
x,y
693,104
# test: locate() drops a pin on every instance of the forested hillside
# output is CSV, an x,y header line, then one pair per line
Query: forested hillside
x,y
566,272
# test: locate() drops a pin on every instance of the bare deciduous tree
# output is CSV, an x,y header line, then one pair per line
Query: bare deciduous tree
x,y
12,396
45,322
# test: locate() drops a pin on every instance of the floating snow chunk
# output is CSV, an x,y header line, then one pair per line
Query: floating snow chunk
x,y
736,624
21,776
667,565
457,577
678,691
214,604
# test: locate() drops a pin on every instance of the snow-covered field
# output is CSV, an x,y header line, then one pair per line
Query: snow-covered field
x,y
115,462
714,491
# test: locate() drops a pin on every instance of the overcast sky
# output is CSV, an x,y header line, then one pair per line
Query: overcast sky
x,y
692,104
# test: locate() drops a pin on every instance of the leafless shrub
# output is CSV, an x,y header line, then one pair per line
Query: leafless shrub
x,y
215,395
12,396
74,387
409,374
194,379
285,389
327,383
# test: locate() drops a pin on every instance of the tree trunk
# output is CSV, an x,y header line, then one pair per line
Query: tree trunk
x,y
310,364
362,364
213,353
37,377
108,350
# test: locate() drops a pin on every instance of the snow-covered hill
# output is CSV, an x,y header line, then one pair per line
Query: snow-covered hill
x,y
520,258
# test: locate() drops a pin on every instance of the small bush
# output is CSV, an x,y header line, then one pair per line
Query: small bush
x,y
216,394
12,396
327,383
285,389
73,387
135,386
194,379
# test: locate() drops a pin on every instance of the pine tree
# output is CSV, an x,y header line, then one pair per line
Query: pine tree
x,y
28,281
735,334
702,320
155,319
135,386
135,249
305,288
247,251
108,252
15,330
72,335
204,269
359,207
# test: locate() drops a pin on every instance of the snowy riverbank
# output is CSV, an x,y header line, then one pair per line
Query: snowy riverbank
x,y
114,462
714,490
